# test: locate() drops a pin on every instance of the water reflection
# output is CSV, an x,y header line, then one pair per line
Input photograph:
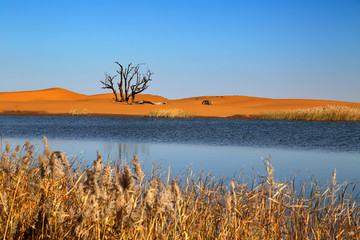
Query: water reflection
x,y
128,150
221,161
113,151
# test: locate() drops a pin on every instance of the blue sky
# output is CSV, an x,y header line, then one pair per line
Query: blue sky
x,y
277,49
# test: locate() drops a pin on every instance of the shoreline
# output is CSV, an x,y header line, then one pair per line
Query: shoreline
x,y
41,113
62,102
240,117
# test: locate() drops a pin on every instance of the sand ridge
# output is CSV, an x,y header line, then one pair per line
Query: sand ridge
x,y
58,101
38,95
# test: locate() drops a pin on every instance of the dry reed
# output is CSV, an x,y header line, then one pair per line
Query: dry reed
x,y
169,113
327,113
78,112
47,196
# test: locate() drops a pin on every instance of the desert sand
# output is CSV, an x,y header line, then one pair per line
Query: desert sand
x,y
58,101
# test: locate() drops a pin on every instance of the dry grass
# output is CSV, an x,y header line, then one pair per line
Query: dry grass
x,y
78,112
169,113
47,197
327,113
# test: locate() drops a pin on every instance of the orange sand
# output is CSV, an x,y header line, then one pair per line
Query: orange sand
x,y
57,101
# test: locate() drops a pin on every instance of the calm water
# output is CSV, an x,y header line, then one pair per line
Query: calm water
x,y
222,147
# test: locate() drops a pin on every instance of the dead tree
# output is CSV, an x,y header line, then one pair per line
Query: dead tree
x,y
126,85
109,84
141,84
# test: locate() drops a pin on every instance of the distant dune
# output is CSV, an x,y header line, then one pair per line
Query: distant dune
x,y
46,95
58,101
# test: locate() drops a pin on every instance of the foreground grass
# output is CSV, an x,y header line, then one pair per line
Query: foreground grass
x,y
169,113
328,113
47,197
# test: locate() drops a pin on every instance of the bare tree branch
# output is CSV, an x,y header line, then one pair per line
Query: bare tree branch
x,y
141,84
127,75
121,83
109,84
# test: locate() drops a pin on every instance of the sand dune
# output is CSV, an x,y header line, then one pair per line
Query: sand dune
x,y
45,95
57,101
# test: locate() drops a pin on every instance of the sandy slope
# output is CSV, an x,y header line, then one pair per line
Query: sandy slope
x,y
59,101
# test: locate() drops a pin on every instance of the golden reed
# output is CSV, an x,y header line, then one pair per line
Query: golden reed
x,y
169,113
327,113
48,196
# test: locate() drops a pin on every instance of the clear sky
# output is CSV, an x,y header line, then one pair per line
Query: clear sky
x,y
270,48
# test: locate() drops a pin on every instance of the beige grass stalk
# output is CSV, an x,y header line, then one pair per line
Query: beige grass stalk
x,y
127,179
17,149
326,113
78,112
169,113
137,168
5,163
98,165
106,203
107,176
165,201
56,168
150,194
7,147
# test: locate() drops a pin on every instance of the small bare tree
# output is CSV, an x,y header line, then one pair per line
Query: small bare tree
x,y
131,82
109,84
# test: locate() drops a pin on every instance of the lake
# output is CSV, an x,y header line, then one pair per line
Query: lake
x,y
221,147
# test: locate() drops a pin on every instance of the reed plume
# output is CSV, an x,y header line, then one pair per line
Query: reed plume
x,y
137,168
44,197
7,146
322,113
